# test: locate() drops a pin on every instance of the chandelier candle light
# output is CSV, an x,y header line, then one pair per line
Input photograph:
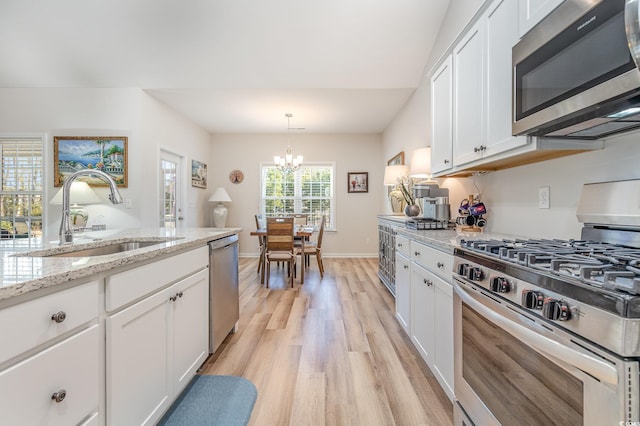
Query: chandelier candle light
x,y
220,211
288,163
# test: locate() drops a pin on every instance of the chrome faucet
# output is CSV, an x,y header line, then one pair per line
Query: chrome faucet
x,y
66,232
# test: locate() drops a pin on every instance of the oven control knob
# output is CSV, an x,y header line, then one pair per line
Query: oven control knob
x,y
556,309
475,274
532,299
500,285
462,269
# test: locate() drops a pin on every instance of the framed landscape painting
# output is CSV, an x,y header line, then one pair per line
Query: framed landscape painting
x,y
105,153
198,174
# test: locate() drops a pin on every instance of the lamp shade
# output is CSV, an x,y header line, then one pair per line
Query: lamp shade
x,y
393,173
421,163
81,193
220,195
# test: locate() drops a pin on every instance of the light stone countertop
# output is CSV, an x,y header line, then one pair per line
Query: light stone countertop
x,y
443,239
25,274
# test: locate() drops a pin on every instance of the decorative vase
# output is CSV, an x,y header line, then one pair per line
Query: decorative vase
x,y
412,210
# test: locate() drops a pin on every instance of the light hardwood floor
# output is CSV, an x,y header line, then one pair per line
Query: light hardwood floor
x,y
329,352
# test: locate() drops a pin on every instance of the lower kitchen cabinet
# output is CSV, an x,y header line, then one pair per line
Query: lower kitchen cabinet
x,y
57,386
424,305
154,348
403,286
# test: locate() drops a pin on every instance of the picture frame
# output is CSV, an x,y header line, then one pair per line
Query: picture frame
x,y
357,182
198,174
106,153
397,159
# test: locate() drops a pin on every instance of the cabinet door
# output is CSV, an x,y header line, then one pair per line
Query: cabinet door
x,y
138,384
403,292
533,11
422,314
468,105
26,389
501,34
441,117
443,358
190,330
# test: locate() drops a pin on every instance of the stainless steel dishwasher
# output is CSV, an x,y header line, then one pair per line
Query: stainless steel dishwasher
x,y
224,303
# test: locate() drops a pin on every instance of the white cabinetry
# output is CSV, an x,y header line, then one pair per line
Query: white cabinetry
x,y
482,66
50,364
468,104
155,346
403,282
432,311
442,117
533,11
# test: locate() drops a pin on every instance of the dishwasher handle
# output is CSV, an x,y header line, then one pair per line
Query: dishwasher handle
x,y
223,242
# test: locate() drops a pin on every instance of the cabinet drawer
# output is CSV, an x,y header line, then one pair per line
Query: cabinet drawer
x,y
36,326
437,261
128,286
403,246
26,389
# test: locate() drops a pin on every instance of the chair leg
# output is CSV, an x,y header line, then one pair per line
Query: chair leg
x,y
320,264
261,259
268,273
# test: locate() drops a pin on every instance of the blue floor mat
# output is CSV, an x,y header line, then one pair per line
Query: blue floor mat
x,y
213,400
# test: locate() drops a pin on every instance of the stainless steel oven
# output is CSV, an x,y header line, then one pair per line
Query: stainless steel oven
x,y
513,368
547,331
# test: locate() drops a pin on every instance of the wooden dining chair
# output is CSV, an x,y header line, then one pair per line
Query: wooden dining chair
x,y
260,224
280,247
315,247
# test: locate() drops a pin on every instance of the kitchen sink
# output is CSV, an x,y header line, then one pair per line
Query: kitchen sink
x,y
113,248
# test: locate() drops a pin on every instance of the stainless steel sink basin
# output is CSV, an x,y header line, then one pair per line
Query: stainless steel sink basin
x,y
110,249
113,248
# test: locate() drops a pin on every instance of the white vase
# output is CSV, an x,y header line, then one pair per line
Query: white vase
x,y
219,216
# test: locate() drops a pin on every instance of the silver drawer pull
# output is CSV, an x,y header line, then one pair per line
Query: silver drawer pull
x,y
59,316
417,253
173,298
59,396
440,265
179,294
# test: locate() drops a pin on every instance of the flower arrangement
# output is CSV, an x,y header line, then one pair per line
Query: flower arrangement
x,y
403,191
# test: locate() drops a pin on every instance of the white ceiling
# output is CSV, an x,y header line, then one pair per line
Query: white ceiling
x,y
232,66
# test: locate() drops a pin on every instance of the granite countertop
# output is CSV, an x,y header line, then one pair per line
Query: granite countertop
x,y
444,239
23,274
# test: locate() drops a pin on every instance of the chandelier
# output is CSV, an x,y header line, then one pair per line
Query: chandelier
x,y
288,163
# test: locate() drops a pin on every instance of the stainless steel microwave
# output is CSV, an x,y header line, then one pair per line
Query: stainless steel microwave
x,y
575,74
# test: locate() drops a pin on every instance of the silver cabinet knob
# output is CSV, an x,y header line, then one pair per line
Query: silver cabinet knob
x,y
173,298
440,265
416,253
59,316
446,161
59,396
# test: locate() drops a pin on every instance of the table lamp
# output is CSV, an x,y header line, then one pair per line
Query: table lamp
x,y
220,211
81,194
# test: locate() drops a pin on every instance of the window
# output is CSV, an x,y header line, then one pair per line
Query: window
x,y
309,190
22,187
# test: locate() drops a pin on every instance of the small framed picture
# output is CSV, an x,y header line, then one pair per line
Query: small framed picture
x,y
358,181
397,159
198,174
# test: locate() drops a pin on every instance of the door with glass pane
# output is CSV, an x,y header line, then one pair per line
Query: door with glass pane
x,y
171,215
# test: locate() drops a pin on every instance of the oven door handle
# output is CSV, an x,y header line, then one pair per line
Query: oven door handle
x,y
595,367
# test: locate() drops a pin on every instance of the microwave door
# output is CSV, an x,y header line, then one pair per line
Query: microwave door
x,y
632,28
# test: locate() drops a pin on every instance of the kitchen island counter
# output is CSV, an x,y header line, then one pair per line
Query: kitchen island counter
x,y
23,275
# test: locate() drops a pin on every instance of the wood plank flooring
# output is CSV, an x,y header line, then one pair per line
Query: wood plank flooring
x,y
329,352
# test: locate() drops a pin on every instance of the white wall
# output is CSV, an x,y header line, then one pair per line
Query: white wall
x,y
357,231
108,112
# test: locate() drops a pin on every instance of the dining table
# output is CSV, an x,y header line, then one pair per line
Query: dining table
x,y
301,231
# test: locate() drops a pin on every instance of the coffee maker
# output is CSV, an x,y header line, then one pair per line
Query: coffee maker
x,y
433,201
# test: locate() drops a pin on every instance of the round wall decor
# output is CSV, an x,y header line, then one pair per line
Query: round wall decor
x,y
236,176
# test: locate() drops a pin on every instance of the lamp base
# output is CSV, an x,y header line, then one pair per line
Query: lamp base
x,y
79,217
220,216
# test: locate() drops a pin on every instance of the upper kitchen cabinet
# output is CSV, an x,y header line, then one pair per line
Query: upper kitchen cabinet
x,y
441,117
478,135
482,100
530,12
